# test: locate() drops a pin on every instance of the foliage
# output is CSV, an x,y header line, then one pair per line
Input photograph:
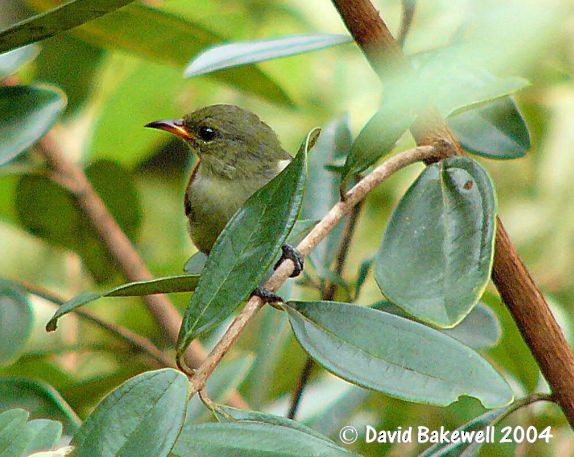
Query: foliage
x,y
395,300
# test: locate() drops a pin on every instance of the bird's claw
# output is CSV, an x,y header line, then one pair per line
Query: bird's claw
x,y
266,295
291,253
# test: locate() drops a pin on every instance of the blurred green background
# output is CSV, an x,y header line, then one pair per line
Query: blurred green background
x,y
115,85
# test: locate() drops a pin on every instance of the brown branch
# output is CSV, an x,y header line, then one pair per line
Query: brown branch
x,y
407,19
120,247
319,232
526,303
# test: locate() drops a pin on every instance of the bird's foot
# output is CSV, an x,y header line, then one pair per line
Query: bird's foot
x,y
291,253
266,295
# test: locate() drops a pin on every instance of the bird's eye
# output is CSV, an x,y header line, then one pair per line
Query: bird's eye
x,y
206,133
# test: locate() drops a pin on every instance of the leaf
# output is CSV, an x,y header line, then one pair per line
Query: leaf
x,y
14,436
227,377
470,446
151,33
47,210
11,61
252,439
479,329
436,254
322,191
496,129
56,20
248,52
26,114
46,434
39,398
246,248
195,264
380,134
364,269
16,317
389,354
133,419
168,284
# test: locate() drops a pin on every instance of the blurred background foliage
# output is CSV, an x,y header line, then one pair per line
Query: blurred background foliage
x,y
126,69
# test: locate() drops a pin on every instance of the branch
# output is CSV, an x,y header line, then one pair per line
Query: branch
x,y
408,14
120,247
521,295
320,231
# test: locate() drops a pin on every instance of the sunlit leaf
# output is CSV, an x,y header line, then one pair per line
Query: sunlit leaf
x,y
45,435
436,255
247,52
133,420
26,114
168,284
246,248
16,317
496,130
394,355
11,61
14,435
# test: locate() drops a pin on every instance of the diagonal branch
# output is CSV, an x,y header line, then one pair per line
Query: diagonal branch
x,y
521,295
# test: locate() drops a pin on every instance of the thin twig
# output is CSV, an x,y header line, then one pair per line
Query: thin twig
x,y
120,247
319,232
133,339
526,303
407,19
297,394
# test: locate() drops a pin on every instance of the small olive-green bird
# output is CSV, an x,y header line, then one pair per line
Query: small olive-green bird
x,y
238,153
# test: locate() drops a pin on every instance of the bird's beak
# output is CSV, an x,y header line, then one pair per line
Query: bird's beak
x,y
175,126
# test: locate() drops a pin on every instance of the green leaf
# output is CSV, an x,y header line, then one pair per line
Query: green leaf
x,y
47,210
11,61
470,446
141,418
479,329
26,114
46,434
39,398
16,317
246,248
151,33
380,134
247,52
56,20
496,130
195,264
449,82
393,355
436,255
322,191
168,284
228,376
252,439
14,436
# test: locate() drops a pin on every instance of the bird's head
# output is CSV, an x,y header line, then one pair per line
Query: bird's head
x,y
231,142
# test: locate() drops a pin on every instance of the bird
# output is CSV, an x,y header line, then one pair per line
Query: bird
x,y
238,154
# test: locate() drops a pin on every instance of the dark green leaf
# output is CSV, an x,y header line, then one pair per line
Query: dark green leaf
x,y
11,61
39,398
26,114
252,439
496,130
247,52
228,376
380,134
470,446
16,318
56,20
195,264
322,190
479,329
168,284
47,210
141,418
393,355
364,269
246,248
46,434
14,435
146,31
436,255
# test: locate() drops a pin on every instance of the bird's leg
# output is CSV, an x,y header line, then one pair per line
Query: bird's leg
x,y
266,295
291,253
